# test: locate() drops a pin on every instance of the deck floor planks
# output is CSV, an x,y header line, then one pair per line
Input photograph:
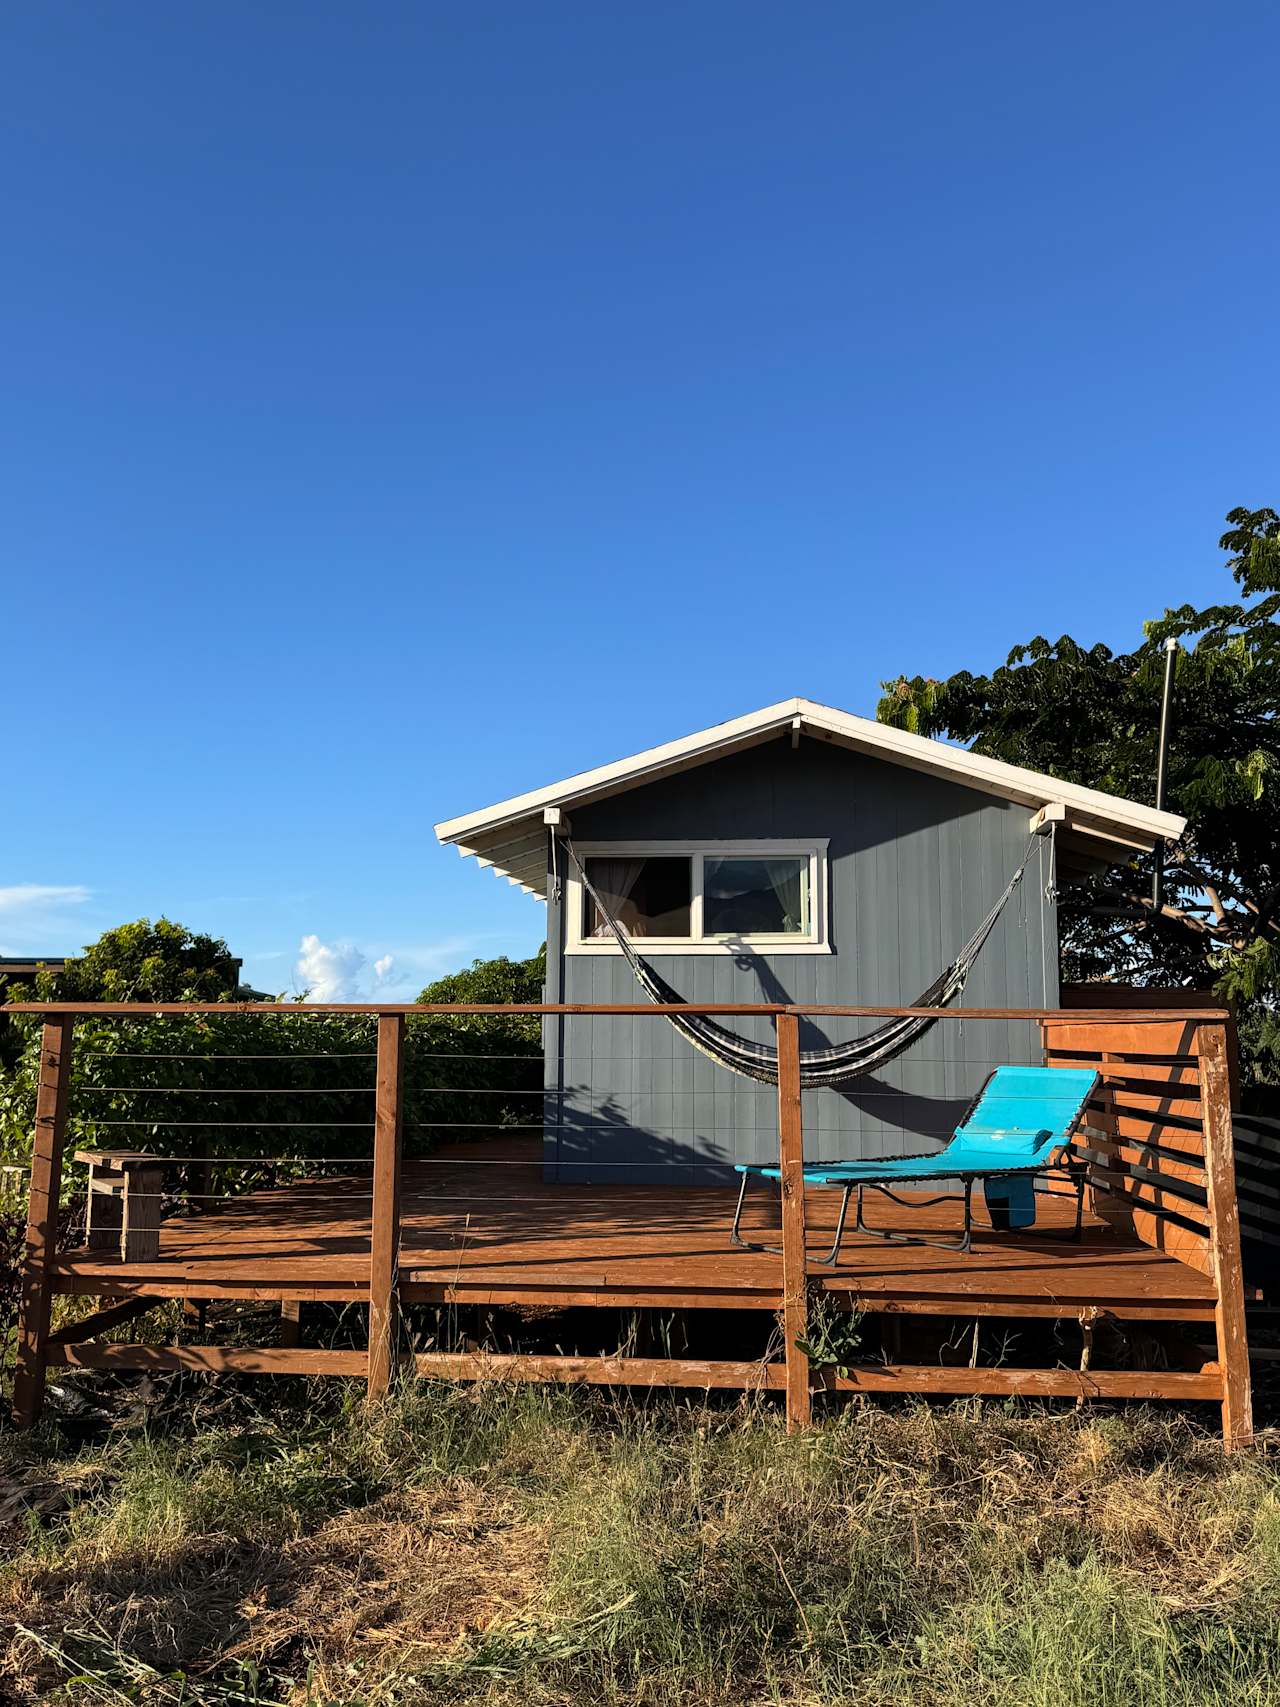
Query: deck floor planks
x,y
501,1234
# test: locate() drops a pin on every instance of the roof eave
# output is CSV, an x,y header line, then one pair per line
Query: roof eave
x,y
490,833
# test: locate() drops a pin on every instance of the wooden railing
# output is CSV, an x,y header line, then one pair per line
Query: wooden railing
x,y
1159,1145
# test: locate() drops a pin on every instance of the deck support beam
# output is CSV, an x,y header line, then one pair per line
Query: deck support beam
x,y
795,1282
291,1323
210,1359
37,1283
101,1322
384,1251
1127,1384
1224,1236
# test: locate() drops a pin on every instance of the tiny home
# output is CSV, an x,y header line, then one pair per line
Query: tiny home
x,y
800,855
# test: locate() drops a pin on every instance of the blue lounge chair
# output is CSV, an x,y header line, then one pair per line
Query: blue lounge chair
x,y
1019,1125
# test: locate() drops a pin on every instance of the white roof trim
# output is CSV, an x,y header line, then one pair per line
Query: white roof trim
x,y
510,836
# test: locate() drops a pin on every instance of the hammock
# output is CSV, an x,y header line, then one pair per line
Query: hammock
x,y
831,1067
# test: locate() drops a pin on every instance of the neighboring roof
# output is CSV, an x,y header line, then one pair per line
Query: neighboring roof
x,y
511,836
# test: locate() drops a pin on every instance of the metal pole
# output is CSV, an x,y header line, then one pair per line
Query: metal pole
x,y
1162,765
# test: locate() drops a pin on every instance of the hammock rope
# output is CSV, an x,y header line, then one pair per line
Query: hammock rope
x,y
831,1067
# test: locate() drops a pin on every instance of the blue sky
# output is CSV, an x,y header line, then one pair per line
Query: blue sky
x,y
406,405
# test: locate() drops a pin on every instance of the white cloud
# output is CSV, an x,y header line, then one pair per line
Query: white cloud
x,y
329,972
34,917
342,972
19,897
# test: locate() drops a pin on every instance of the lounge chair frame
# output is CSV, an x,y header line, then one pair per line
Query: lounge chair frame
x,y
1076,1171
1056,1159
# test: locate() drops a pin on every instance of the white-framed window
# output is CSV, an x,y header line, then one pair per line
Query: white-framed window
x,y
704,897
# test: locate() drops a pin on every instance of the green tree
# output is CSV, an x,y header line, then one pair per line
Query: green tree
x,y
285,1085
489,1064
1090,715
161,962
144,962
499,980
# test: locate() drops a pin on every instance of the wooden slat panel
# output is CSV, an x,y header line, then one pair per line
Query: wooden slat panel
x,y
1162,1036
1147,1128
1149,1158
1150,1113
1137,1072
1125,1097
1175,1197
1140,1208
1153,1225
1119,1178
1140,1057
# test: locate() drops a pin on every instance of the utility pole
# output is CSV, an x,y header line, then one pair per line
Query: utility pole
x,y
1162,766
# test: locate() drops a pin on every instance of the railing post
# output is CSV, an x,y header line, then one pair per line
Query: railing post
x,y
384,1247
1224,1235
36,1287
795,1312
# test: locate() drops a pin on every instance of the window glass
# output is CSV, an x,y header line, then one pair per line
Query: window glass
x,y
648,896
764,897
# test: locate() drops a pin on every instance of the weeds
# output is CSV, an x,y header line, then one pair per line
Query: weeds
x,y
834,1337
499,1545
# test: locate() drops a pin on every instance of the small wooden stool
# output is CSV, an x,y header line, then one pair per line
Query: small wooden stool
x,y
124,1202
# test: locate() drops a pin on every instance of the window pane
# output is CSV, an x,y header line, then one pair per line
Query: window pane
x,y
648,897
745,897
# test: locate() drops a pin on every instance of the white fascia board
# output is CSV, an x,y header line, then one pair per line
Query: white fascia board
x,y
622,773
994,776
1129,821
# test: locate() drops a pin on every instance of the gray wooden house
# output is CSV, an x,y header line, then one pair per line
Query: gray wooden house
x,y
798,854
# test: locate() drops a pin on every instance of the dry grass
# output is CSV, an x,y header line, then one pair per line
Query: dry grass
x,y
418,1573
542,1548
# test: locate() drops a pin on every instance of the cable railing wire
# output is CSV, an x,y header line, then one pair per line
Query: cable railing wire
x,y
230,1090
327,1125
196,1055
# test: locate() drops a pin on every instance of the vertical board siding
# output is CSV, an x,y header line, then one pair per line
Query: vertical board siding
x,y
913,865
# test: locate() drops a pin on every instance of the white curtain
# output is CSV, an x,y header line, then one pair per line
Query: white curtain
x,y
615,879
786,879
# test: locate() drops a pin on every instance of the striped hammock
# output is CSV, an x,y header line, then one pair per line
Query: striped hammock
x,y
833,1067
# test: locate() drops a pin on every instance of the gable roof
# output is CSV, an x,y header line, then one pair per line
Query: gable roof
x,y
511,836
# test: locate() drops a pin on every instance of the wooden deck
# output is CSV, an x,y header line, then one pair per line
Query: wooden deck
x,y
499,1234
481,1225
